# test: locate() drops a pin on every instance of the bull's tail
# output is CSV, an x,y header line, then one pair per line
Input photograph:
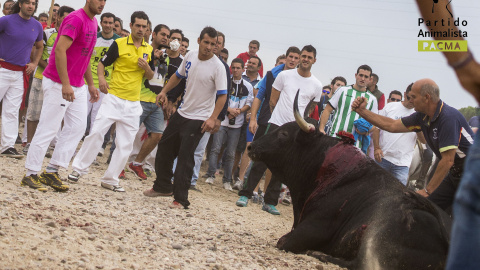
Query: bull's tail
x,y
329,259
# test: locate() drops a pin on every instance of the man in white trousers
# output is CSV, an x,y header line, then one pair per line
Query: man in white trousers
x,y
65,96
19,32
130,57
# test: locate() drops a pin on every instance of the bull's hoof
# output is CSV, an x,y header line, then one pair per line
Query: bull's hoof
x,y
282,241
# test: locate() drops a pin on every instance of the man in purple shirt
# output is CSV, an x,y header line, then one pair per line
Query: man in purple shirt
x,y
65,93
18,33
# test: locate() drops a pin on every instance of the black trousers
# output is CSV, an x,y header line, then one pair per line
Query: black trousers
x,y
180,139
257,171
444,195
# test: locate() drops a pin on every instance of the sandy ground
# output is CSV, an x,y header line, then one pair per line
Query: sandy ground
x,y
89,227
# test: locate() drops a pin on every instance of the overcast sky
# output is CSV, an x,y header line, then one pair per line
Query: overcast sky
x,y
346,34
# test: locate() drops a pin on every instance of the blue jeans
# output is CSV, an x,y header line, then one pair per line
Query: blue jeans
x,y
231,136
152,117
465,238
400,172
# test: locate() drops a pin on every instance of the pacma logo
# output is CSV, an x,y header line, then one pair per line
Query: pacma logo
x,y
446,6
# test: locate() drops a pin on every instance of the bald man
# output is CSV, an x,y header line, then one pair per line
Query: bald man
x,y
446,132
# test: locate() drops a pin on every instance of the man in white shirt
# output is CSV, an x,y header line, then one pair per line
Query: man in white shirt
x,y
284,89
205,78
394,151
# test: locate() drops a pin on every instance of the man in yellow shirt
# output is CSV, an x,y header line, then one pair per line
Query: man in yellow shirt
x,y
130,57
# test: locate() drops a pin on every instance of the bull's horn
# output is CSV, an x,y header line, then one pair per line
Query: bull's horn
x,y
308,128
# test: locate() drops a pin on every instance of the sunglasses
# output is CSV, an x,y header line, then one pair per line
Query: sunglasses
x,y
326,91
395,99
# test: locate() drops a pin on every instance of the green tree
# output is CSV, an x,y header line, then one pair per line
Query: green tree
x,y
470,111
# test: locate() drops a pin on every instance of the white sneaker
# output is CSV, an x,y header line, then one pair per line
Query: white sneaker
x,y
227,186
210,180
113,188
238,185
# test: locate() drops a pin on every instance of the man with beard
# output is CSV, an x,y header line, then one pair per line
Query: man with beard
x,y
65,94
19,32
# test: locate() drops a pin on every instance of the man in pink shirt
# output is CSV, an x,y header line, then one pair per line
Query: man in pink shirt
x,y
253,48
65,95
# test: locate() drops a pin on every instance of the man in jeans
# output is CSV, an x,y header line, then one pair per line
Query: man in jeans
x,y
241,97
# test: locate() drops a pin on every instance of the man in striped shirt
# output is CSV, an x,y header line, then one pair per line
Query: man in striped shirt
x,y
342,101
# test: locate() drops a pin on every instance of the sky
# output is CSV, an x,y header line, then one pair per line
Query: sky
x,y
346,34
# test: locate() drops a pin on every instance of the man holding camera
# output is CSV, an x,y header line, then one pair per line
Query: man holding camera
x,y
241,97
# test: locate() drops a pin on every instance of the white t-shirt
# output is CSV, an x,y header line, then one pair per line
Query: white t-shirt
x,y
241,95
288,83
205,80
397,147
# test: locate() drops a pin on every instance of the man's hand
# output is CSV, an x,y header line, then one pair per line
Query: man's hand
x,y
94,94
322,130
359,103
253,126
67,93
31,68
378,154
217,126
469,77
161,99
103,85
233,112
208,125
169,110
143,64
422,192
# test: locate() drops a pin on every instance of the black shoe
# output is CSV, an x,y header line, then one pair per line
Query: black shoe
x,y
11,152
53,180
19,140
194,188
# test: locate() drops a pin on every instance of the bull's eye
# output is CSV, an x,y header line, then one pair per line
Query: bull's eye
x,y
283,135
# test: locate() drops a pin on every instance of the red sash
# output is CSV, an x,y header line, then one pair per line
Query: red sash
x,y
26,78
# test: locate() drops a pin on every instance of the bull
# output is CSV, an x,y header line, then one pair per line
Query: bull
x,y
347,209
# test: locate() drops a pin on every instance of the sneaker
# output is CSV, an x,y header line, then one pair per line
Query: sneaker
x,y
242,201
32,182
238,185
147,172
176,205
138,171
74,176
122,175
101,152
25,149
194,188
53,180
287,200
210,180
256,198
270,209
113,188
227,186
11,152
153,193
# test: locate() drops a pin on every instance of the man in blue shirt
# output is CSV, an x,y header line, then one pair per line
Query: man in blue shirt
x,y
446,132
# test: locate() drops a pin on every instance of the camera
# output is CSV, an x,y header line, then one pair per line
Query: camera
x,y
231,121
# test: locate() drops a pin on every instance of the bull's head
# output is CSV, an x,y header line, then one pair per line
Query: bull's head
x,y
293,146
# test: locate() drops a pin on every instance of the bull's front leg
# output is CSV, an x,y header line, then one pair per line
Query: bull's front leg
x,y
281,242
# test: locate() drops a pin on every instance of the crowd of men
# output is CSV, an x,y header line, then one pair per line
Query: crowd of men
x,y
166,106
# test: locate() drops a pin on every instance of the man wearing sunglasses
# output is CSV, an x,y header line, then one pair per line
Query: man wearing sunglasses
x,y
394,96
394,151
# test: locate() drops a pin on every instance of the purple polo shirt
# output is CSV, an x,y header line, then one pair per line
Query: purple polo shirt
x,y
17,37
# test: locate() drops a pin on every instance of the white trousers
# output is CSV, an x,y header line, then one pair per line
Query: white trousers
x,y
11,94
93,108
55,109
137,145
126,114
